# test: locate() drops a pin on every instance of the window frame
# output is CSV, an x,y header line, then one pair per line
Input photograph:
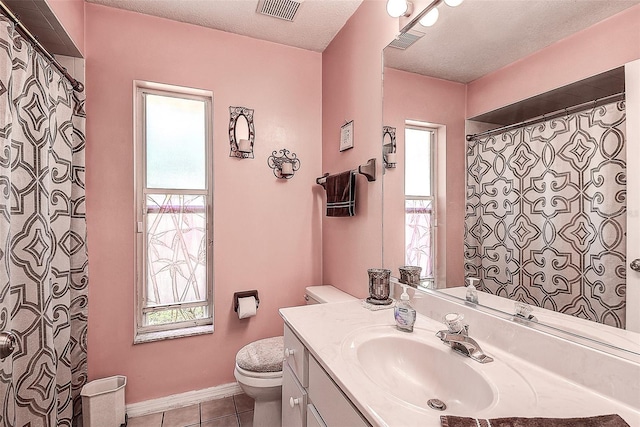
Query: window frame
x,y
433,198
146,333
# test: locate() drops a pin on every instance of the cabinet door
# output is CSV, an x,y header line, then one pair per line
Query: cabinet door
x,y
294,400
313,417
295,353
332,405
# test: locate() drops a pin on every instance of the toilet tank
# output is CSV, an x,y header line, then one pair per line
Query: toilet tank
x,y
325,293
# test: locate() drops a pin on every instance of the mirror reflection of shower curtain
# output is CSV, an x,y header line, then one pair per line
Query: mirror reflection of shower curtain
x,y
546,214
43,268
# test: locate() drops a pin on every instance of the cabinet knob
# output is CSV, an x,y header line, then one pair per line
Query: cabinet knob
x,y
293,402
289,352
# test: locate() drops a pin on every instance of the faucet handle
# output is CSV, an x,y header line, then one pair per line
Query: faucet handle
x,y
454,323
523,310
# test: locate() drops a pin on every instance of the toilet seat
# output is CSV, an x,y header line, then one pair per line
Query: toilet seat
x,y
265,355
258,379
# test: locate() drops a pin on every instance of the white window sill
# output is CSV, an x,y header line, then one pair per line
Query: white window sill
x,y
172,334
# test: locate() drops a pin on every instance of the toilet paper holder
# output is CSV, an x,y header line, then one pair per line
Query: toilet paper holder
x,y
243,294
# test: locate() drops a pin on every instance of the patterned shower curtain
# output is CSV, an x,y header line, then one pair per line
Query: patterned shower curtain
x,y
43,257
546,214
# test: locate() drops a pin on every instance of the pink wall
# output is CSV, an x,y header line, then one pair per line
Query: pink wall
x,y
409,96
267,231
301,99
352,90
601,47
70,13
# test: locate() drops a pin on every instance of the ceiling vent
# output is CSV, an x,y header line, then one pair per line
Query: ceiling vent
x,y
404,40
282,9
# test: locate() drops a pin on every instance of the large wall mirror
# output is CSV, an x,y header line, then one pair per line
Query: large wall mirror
x,y
529,197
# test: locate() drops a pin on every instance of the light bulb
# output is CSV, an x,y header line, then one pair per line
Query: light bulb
x,y
397,8
453,3
430,18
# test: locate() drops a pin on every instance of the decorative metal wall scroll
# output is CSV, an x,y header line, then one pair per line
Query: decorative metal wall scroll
x,y
284,163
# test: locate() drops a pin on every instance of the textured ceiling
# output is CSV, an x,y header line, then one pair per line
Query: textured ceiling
x,y
316,24
481,36
469,41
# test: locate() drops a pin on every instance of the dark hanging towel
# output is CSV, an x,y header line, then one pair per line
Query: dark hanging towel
x,y
341,194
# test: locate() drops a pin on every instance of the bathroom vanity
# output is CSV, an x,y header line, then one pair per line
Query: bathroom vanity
x,y
308,391
347,365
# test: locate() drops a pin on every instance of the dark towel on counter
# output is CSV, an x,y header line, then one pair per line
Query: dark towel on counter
x,y
341,194
599,421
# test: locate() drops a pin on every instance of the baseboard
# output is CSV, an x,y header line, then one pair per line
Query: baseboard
x,y
183,399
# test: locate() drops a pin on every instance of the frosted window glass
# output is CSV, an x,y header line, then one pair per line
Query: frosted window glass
x,y
175,133
417,162
418,235
176,249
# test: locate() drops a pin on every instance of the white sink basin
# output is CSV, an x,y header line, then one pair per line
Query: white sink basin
x,y
416,367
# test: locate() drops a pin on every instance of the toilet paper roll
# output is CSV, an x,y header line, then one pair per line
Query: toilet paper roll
x,y
246,307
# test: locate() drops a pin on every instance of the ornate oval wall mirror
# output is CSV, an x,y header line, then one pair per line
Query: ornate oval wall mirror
x,y
389,146
241,132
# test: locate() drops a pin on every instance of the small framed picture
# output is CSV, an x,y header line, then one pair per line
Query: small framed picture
x,y
346,136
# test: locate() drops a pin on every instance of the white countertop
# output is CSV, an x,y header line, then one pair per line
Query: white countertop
x,y
530,390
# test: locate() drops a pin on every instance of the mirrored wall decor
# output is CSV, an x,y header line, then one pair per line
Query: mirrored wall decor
x,y
542,219
284,163
242,133
389,147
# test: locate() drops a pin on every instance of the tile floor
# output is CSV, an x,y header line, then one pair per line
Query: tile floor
x,y
234,411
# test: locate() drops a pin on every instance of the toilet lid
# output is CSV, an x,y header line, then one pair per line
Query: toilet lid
x,y
264,355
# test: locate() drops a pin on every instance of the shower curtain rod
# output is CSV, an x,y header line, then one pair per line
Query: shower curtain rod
x,y
552,115
77,86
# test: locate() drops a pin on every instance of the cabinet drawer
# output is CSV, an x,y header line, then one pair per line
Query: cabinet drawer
x,y
296,356
294,400
333,406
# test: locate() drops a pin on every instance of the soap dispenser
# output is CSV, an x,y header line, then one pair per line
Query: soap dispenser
x,y
472,293
405,314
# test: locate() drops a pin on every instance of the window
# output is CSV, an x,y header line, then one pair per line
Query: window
x,y
174,212
420,200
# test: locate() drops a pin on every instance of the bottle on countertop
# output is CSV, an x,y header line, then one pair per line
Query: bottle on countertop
x,y
405,314
472,292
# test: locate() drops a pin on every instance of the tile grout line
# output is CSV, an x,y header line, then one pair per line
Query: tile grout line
x,y
200,419
235,406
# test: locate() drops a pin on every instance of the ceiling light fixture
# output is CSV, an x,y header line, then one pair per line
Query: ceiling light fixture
x,y
453,3
430,18
397,8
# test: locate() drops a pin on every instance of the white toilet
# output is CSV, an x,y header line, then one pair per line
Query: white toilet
x,y
259,364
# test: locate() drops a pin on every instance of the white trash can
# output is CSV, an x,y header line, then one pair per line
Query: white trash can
x,y
103,402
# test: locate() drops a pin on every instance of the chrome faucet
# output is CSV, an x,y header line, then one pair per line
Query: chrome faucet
x,y
457,337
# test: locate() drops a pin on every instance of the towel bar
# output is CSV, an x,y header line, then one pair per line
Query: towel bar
x,y
368,170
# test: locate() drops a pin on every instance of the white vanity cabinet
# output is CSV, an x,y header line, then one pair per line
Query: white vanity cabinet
x,y
310,398
294,399
334,407
295,380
